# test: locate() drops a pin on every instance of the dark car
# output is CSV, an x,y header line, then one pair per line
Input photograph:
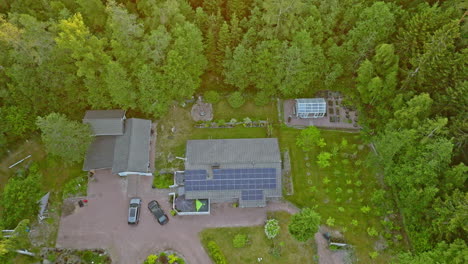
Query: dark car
x,y
134,211
158,213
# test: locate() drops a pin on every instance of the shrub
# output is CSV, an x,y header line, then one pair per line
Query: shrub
x,y
341,209
173,212
372,232
309,138
221,122
304,224
373,254
151,259
162,181
215,253
323,159
272,228
261,99
211,97
326,180
354,222
275,250
338,190
240,240
233,120
365,209
236,100
247,121
75,187
331,221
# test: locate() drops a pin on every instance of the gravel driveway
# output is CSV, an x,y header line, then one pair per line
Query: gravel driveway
x,y
103,222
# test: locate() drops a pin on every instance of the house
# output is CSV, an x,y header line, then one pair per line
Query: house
x,y
310,107
247,171
120,144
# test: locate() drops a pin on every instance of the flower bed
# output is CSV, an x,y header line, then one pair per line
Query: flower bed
x,y
165,257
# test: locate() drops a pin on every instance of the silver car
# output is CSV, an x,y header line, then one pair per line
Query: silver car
x,y
134,211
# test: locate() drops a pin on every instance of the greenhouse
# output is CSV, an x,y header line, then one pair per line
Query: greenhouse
x,y
311,107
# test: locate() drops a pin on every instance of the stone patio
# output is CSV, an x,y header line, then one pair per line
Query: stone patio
x,y
335,111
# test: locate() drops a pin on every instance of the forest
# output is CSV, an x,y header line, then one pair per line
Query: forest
x,y
402,63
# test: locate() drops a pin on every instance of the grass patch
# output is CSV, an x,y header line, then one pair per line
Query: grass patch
x,y
172,144
259,246
338,191
222,110
163,181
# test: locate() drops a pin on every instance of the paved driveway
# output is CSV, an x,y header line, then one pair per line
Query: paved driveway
x,y
103,222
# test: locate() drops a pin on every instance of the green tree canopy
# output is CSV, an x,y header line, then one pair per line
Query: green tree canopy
x,y
304,224
65,138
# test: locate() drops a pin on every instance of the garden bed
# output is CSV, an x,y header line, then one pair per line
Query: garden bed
x,y
73,256
342,192
281,249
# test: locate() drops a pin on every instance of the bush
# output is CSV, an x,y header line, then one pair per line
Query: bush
x,y
372,232
272,228
75,187
331,221
304,224
151,259
19,200
215,253
309,138
221,122
240,240
162,181
261,99
323,159
236,100
211,97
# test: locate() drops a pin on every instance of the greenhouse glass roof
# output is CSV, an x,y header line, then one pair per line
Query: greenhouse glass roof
x,y
311,106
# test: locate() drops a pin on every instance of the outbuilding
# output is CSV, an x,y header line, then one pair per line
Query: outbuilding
x,y
310,107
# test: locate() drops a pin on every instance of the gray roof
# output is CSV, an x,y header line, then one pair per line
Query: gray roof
x,y
233,154
126,153
232,151
100,153
131,151
105,122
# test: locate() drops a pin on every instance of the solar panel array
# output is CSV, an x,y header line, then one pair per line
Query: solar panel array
x,y
231,179
252,195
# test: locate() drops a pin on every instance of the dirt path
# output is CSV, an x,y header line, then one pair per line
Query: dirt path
x,y
325,255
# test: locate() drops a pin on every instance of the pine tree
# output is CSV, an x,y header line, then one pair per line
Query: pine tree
x,y
224,41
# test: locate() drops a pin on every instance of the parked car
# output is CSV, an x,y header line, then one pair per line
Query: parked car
x,y
134,211
158,212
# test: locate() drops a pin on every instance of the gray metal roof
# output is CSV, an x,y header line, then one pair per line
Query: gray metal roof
x,y
100,153
233,154
232,151
131,153
105,122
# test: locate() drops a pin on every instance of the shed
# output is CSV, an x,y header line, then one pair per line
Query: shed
x,y
311,107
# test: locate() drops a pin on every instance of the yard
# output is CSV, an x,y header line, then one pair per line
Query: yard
x,y
342,192
55,176
178,127
287,250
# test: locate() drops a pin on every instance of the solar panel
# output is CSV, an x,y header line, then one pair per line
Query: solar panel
x,y
231,179
252,195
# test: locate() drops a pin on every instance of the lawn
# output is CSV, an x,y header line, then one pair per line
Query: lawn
x,y
340,191
259,246
222,110
171,142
